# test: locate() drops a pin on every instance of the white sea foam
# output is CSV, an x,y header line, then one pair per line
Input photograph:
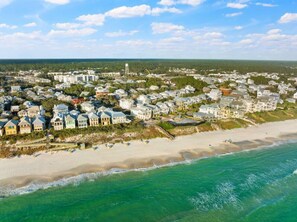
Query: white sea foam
x,y
76,180
223,195
226,194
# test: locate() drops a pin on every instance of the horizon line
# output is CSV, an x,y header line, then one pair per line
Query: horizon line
x,y
197,59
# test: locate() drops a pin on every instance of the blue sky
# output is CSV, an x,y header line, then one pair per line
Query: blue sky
x,y
199,29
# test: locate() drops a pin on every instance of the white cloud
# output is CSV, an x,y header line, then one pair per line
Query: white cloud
x,y
3,25
265,4
288,17
58,2
171,40
182,2
158,11
167,2
68,25
273,38
92,19
160,28
72,32
127,12
233,14
246,41
4,3
274,31
213,35
238,27
134,43
237,5
32,24
121,33
139,11
211,39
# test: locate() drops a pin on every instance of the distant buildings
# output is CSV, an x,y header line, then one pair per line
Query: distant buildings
x,y
75,79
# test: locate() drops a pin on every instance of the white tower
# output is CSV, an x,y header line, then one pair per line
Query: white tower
x,y
126,69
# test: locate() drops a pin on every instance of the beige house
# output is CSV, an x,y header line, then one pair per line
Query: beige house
x,y
25,125
38,124
104,119
57,122
93,119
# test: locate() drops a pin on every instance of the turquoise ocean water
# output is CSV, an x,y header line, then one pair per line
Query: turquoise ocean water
x,y
248,186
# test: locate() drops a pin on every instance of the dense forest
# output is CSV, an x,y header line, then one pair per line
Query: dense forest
x,y
150,65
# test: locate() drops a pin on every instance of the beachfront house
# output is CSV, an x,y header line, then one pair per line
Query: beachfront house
x,y
141,112
82,121
210,109
57,122
25,125
265,104
11,127
70,121
38,123
204,116
104,119
93,119
117,117
2,124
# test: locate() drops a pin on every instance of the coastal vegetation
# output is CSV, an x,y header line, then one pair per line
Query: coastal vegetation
x,y
150,65
182,82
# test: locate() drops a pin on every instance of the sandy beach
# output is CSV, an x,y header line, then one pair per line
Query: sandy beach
x,y
47,167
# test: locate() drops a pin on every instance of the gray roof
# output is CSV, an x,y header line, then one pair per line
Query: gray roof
x,y
39,120
116,114
25,120
69,117
2,124
93,116
82,117
103,115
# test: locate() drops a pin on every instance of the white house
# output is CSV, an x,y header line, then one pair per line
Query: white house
x,y
215,94
141,112
117,117
126,103
213,109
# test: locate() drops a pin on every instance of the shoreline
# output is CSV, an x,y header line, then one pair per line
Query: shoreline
x,y
47,168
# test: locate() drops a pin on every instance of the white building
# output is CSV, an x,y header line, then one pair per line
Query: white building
x,y
126,103
74,79
141,112
212,109
215,94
